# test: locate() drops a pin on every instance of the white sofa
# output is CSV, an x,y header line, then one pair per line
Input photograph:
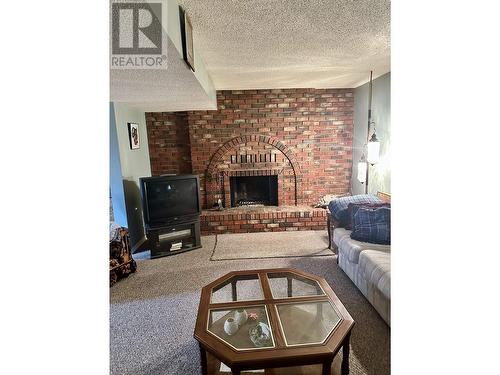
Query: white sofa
x,y
369,267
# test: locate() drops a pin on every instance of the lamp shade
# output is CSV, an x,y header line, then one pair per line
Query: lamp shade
x,y
373,150
362,171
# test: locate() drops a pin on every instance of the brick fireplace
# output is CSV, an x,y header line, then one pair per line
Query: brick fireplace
x,y
254,190
297,140
255,155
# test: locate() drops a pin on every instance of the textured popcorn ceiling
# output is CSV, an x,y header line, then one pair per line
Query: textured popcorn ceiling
x,y
250,44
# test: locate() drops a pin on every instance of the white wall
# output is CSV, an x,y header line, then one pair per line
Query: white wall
x,y
134,165
380,173
173,28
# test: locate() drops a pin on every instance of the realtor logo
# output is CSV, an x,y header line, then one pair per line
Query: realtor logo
x,y
136,30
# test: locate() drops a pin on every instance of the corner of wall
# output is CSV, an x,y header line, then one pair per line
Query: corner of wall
x,y
115,173
200,71
380,173
134,164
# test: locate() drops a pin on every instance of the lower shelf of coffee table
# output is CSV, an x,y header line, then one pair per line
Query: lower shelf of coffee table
x,y
214,366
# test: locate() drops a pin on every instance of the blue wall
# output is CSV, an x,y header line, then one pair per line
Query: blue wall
x,y
115,172
380,173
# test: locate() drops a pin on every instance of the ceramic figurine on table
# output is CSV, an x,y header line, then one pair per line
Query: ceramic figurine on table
x,y
240,316
253,316
230,326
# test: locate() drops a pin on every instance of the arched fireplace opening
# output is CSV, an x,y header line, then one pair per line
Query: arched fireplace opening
x,y
252,170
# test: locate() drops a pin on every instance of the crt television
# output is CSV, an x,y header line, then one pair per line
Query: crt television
x,y
168,200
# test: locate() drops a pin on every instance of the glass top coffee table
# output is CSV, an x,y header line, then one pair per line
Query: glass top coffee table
x,y
272,318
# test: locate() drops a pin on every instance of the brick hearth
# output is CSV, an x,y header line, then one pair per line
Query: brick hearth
x,y
262,219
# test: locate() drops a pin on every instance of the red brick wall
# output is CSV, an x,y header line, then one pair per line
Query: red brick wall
x,y
168,140
315,124
262,219
309,130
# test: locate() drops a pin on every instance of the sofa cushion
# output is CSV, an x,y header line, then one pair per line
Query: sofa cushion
x,y
376,268
350,248
372,225
338,207
352,208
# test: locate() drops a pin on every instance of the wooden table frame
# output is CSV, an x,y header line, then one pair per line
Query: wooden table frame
x,y
281,355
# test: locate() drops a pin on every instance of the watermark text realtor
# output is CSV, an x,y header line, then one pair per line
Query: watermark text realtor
x,y
137,36
137,61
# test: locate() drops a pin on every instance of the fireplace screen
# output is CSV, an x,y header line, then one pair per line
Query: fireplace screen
x,y
254,190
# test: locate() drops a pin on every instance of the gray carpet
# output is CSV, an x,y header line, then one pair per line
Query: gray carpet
x,y
271,245
153,312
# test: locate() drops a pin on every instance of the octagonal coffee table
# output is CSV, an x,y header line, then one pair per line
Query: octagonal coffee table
x,y
270,318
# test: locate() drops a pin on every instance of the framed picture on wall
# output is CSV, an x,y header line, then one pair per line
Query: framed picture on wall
x,y
133,134
187,38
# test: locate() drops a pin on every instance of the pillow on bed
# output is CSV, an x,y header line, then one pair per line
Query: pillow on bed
x,y
372,225
352,208
338,207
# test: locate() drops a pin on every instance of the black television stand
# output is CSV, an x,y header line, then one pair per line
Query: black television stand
x,y
174,238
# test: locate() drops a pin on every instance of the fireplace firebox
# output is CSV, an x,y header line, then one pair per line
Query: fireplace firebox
x,y
254,190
